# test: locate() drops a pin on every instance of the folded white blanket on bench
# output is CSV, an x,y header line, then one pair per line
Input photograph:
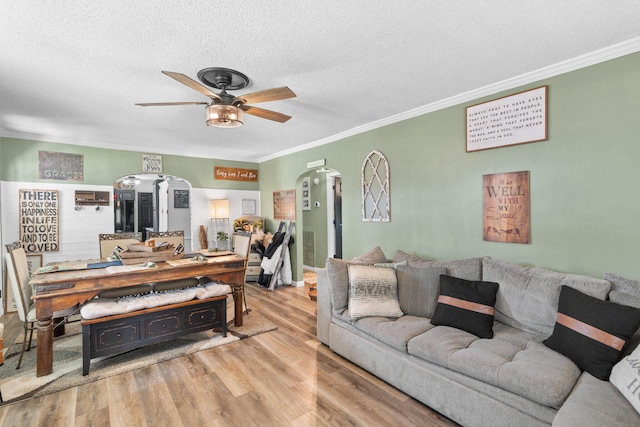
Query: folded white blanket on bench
x,y
101,307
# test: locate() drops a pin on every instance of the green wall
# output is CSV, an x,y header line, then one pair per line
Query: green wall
x,y
19,162
584,179
316,219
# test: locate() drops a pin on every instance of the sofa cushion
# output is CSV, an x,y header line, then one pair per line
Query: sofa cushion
x,y
625,375
394,332
373,291
623,284
418,289
528,297
513,360
466,305
469,269
596,403
592,332
338,275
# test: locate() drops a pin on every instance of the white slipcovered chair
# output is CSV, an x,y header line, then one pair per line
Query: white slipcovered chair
x,y
242,247
18,273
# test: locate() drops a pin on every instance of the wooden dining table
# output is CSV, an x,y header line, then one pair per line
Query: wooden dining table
x,y
57,290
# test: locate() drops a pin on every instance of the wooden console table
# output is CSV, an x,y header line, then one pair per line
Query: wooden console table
x,y
64,289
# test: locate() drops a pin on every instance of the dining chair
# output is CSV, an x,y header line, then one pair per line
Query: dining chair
x,y
108,242
242,247
18,273
174,238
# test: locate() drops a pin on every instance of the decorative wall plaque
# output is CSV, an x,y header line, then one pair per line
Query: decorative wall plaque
x,y
376,188
284,205
60,166
235,174
39,220
514,119
506,215
151,163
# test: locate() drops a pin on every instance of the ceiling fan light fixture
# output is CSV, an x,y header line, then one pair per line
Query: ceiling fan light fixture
x,y
224,116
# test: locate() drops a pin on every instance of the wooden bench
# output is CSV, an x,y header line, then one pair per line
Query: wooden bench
x,y
118,333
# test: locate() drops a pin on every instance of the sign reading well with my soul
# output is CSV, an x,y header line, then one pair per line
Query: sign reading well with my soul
x,y
39,220
506,216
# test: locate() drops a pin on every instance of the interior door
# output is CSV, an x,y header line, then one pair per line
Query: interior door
x,y
145,213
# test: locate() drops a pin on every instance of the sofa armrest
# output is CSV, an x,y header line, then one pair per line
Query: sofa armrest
x,y
325,308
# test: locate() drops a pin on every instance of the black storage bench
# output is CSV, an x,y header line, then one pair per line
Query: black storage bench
x,y
109,335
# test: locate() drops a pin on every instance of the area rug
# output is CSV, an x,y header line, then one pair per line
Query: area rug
x,y
67,358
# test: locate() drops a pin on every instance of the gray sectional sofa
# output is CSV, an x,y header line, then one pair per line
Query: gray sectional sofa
x,y
511,379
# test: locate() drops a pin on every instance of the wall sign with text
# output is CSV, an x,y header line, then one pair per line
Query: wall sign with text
x,y
60,166
511,120
151,163
506,215
235,174
39,220
284,205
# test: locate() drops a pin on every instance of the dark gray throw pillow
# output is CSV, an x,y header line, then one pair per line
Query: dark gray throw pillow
x,y
467,305
591,332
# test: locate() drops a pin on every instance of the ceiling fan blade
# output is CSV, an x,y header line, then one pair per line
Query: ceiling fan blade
x,y
192,84
160,104
268,95
265,114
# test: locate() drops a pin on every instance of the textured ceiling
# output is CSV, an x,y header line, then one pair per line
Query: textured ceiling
x,y
71,71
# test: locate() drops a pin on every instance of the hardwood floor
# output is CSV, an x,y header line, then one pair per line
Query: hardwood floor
x,y
281,378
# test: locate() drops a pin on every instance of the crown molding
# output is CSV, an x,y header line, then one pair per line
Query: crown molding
x,y
592,58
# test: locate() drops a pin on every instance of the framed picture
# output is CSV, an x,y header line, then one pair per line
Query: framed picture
x,y
248,207
34,261
151,163
511,120
306,196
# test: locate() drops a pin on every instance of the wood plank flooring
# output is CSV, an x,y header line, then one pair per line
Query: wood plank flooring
x,y
282,378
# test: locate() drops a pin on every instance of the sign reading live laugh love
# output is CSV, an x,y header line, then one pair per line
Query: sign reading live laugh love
x,y
235,174
506,215
39,220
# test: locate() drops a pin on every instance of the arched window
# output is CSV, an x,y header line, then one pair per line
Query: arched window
x,y
375,188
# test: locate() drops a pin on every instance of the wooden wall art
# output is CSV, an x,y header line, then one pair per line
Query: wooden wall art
x,y
235,174
506,215
284,205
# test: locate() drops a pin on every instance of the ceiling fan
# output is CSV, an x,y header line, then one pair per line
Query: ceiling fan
x,y
225,110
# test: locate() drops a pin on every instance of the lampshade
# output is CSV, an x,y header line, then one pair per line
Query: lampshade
x,y
219,208
224,116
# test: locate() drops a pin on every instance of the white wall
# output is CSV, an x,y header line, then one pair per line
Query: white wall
x,y
79,229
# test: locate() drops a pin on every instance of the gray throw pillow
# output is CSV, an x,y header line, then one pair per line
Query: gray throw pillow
x,y
418,289
623,284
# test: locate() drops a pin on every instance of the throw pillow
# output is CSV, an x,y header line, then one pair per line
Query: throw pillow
x,y
466,305
625,375
591,332
373,291
418,289
623,284
373,256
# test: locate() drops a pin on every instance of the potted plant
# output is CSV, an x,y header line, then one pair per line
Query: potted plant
x,y
222,238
